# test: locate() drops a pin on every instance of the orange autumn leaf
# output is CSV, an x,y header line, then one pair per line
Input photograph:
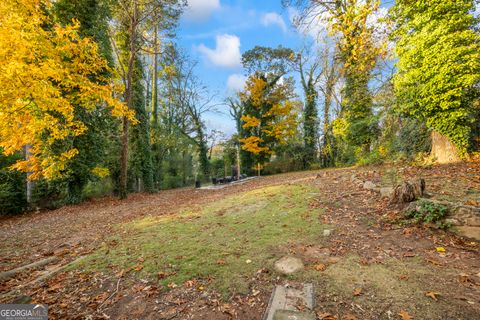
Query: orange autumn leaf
x,y
357,291
432,295
405,315
319,267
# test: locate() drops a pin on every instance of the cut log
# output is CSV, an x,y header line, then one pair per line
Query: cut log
x,y
408,191
37,264
16,291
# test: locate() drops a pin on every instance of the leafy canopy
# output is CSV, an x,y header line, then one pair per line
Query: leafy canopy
x,y
269,117
45,71
439,65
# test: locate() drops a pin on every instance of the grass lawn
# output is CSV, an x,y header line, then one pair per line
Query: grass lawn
x,y
227,241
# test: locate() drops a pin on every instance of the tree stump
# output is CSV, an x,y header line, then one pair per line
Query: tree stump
x,y
408,191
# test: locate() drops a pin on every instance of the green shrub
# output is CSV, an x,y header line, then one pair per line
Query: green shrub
x,y
12,187
170,182
430,213
100,188
49,194
413,138
374,157
217,168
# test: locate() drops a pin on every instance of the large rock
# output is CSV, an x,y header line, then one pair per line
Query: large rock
x,y
288,265
467,215
469,232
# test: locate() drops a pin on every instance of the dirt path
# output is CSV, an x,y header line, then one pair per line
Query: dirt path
x,y
368,259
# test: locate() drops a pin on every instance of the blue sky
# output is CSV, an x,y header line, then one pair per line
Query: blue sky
x,y
217,32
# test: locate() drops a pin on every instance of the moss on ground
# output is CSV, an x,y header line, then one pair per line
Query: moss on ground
x,y
228,240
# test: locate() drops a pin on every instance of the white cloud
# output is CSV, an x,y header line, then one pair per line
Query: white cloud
x,y
200,10
226,52
236,82
272,18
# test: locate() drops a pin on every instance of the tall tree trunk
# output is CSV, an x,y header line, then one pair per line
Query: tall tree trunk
x,y
327,152
128,101
310,124
155,79
203,155
443,150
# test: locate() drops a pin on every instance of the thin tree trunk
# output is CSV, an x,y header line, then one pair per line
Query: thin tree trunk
x,y
29,182
238,162
327,143
124,160
155,79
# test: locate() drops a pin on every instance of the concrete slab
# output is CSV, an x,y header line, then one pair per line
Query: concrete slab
x,y
288,298
293,315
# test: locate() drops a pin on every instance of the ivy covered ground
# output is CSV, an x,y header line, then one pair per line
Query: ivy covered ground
x,y
209,254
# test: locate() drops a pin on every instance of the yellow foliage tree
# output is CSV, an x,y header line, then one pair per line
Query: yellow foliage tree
x,y
46,69
359,50
269,116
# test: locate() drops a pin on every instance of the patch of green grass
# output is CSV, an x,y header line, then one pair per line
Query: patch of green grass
x,y
228,240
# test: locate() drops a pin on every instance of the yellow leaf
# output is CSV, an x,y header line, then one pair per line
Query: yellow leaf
x,y
320,267
405,315
357,291
432,295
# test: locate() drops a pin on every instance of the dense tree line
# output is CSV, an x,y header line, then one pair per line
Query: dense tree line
x,y
98,98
